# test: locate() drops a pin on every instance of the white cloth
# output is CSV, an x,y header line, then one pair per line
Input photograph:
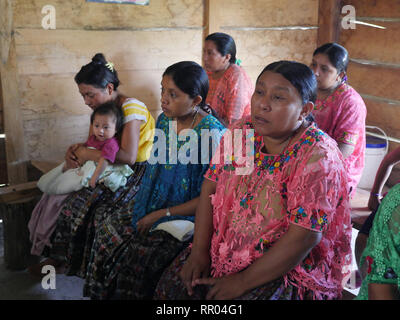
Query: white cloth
x,y
180,229
57,182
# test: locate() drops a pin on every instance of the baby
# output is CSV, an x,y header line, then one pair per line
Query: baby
x,y
106,121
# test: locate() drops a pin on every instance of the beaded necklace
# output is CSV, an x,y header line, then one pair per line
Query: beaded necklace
x,y
321,103
273,163
194,118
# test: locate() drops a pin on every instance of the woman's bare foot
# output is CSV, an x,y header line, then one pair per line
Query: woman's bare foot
x,y
36,269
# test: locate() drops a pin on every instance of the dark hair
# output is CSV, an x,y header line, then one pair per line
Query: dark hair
x,y
337,55
224,43
109,108
97,74
299,75
191,78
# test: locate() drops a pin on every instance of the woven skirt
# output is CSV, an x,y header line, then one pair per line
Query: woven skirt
x,y
133,268
171,287
83,212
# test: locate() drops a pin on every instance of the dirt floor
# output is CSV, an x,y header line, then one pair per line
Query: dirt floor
x,y
20,285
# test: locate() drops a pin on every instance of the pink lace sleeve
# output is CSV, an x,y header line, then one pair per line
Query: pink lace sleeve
x,y
239,96
315,192
351,118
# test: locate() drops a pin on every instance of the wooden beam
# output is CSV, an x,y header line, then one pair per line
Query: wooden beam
x,y
328,21
19,192
211,16
15,147
45,166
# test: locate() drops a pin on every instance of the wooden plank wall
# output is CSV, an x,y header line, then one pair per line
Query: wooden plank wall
x,y
374,68
267,30
141,41
12,147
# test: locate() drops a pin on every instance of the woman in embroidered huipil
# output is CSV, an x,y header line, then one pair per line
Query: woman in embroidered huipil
x,y
169,192
339,110
381,257
282,229
230,86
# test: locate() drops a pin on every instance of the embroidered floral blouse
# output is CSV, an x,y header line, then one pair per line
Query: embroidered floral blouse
x,y
342,116
230,95
305,185
167,184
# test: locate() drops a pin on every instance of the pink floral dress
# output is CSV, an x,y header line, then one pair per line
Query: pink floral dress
x,y
230,95
306,185
342,116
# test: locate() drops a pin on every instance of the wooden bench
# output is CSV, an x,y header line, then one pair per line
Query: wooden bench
x,y
359,208
359,213
16,205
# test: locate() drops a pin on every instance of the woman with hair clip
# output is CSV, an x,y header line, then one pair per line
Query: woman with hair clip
x,y
168,196
230,86
283,230
79,213
339,110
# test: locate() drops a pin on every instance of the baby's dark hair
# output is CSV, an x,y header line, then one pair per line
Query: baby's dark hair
x,y
110,108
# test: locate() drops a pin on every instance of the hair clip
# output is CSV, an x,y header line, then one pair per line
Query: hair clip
x,y
110,66
238,62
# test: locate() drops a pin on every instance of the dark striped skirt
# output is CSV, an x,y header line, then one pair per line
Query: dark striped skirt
x,y
132,270
171,287
83,212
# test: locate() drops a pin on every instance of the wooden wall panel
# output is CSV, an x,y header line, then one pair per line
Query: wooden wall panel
x,y
382,45
14,142
383,114
79,14
266,46
142,42
140,58
65,51
266,30
376,8
49,135
376,80
65,98
268,13
375,69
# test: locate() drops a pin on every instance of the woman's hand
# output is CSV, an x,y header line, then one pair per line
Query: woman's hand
x,y
81,155
225,288
71,160
197,266
144,224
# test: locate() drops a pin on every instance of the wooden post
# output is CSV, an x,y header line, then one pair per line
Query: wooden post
x,y
16,206
15,150
328,21
17,245
16,234
211,17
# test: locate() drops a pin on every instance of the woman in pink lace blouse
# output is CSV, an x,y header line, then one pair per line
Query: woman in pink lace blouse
x,y
281,228
230,86
339,110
